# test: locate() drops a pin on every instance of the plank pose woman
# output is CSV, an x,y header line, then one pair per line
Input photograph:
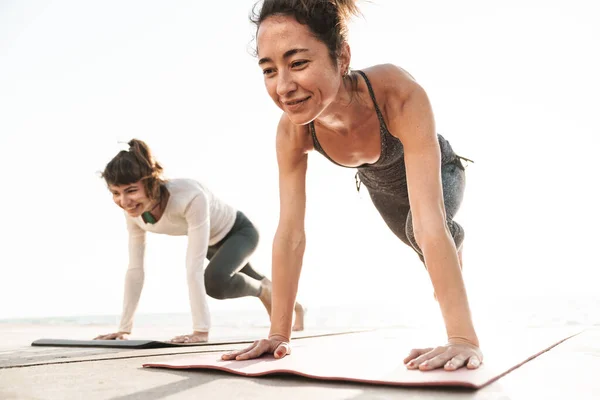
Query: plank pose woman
x,y
379,121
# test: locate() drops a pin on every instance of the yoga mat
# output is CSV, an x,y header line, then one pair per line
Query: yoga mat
x,y
158,344
379,361
117,344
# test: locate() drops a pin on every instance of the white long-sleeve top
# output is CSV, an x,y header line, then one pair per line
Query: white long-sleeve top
x,y
191,210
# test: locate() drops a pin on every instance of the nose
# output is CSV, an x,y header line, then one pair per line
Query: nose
x,y
285,83
122,200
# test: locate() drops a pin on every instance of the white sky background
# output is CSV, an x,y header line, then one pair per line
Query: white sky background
x,y
514,86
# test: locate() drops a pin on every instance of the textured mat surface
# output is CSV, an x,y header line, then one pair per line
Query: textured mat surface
x,y
369,358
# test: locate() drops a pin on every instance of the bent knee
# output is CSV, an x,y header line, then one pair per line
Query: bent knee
x,y
216,285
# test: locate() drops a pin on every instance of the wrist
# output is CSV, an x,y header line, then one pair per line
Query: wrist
x,y
283,326
278,336
468,340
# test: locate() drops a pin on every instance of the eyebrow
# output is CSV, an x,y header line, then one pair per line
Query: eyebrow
x,y
125,189
287,54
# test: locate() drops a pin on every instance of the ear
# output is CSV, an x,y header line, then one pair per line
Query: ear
x,y
344,59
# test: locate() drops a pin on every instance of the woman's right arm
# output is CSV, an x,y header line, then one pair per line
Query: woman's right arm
x,y
290,238
134,281
293,145
134,278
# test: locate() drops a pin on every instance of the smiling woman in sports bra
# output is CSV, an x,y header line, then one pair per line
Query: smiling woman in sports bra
x,y
379,121
215,230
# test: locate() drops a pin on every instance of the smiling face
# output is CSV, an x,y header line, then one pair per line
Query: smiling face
x,y
131,198
299,74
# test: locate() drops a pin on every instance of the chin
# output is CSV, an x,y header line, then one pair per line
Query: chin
x,y
133,213
302,118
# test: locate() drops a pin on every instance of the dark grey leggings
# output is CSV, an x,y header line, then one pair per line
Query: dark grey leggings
x,y
398,217
229,274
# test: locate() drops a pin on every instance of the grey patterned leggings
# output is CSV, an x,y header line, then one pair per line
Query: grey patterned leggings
x,y
398,217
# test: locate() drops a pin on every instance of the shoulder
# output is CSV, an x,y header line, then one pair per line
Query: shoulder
x,y
390,77
292,137
182,187
182,192
133,226
393,86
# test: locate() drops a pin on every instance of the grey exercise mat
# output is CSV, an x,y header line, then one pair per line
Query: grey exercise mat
x,y
118,344
157,344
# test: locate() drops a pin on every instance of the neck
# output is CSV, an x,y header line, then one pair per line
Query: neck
x,y
156,209
344,113
153,214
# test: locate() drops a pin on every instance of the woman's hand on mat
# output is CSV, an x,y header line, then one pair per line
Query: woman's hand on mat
x,y
113,336
454,355
196,337
276,345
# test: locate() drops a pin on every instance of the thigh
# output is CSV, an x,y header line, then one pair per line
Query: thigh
x,y
393,211
453,185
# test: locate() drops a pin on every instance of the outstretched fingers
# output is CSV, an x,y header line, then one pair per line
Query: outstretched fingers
x,y
278,348
261,348
233,354
414,353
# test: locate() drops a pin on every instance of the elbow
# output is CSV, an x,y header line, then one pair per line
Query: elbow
x,y
135,274
292,241
430,234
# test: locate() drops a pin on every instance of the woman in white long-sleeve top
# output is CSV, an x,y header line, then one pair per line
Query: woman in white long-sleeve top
x,y
215,230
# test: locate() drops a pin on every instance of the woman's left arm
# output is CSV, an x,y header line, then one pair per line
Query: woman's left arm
x,y
411,120
197,217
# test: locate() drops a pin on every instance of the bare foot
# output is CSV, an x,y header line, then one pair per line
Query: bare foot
x,y
299,320
265,297
265,294
195,337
